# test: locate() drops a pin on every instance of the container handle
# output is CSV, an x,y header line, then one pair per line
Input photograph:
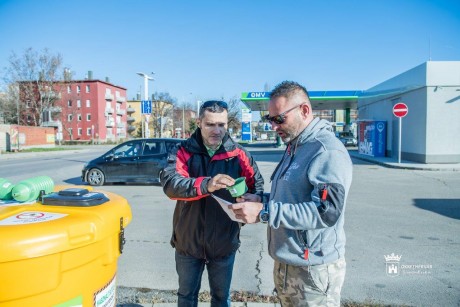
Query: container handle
x,y
121,236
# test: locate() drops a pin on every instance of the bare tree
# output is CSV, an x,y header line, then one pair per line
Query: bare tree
x,y
8,105
162,109
35,77
234,114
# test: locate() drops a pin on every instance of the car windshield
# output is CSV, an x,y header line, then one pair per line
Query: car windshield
x,y
127,150
346,134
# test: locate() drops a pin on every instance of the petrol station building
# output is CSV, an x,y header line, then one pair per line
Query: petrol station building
x,y
429,133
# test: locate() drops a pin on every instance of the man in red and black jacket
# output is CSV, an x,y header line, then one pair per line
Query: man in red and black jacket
x,y
203,234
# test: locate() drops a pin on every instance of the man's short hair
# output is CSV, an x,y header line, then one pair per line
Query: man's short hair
x,y
287,89
213,106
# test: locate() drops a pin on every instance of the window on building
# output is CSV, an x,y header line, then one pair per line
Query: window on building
x,y
108,91
70,131
69,103
87,88
69,89
88,117
28,104
79,117
88,131
80,130
117,93
69,117
78,88
78,103
88,103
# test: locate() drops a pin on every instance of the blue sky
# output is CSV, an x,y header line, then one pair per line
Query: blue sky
x,y
212,49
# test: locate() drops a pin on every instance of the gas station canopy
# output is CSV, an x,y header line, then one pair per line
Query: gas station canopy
x,y
320,100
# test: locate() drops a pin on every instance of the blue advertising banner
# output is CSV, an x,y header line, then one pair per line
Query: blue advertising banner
x,y
246,131
372,138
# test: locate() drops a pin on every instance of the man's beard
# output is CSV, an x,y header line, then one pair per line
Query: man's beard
x,y
289,135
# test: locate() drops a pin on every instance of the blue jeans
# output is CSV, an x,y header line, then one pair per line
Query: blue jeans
x,y
191,269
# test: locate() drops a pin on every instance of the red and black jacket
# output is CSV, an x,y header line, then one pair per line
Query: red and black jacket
x,y
200,227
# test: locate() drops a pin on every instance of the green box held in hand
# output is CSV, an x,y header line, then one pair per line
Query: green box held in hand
x,y
239,188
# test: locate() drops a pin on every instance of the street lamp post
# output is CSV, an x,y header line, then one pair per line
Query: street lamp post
x,y
183,121
146,96
198,104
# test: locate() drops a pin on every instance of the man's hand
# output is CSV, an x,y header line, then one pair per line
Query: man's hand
x,y
248,212
220,181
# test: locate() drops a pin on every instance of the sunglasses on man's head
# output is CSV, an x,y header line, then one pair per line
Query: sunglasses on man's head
x,y
280,118
211,103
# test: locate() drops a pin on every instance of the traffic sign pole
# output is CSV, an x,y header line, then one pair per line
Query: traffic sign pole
x,y
400,136
400,110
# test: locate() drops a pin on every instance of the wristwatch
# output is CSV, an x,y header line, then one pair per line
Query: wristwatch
x,y
264,215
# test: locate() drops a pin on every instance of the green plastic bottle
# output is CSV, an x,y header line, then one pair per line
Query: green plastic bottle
x,y
29,189
5,189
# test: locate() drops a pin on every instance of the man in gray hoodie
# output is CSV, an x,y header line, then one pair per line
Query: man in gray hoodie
x,y
305,209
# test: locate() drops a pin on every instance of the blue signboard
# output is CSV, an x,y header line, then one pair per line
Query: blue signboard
x,y
372,138
146,107
246,131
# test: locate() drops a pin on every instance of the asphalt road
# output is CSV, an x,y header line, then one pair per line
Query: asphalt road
x,y
413,214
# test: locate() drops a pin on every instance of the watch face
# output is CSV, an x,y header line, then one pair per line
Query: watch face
x,y
264,216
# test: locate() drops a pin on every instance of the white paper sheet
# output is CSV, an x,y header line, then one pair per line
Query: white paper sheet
x,y
224,204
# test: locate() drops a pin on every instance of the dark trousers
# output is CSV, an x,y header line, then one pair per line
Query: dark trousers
x,y
191,269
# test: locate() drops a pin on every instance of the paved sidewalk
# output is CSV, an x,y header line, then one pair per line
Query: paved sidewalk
x,y
393,163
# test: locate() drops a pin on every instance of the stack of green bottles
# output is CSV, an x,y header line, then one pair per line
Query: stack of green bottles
x,y
26,190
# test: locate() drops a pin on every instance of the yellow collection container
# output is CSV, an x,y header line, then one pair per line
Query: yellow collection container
x,y
63,250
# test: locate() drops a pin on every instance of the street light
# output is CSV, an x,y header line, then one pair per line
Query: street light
x,y
146,96
198,105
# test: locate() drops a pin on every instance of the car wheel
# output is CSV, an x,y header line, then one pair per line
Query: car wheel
x,y
95,177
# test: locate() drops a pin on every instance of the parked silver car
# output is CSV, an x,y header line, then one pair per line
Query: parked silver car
x,y
347,138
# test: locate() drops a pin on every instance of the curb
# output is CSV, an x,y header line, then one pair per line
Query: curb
x,y
395,165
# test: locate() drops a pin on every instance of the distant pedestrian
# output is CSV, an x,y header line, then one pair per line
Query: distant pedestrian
x,y
203,234
305,211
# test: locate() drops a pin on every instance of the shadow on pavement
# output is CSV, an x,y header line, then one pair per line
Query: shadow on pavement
x,y
445,207
75,180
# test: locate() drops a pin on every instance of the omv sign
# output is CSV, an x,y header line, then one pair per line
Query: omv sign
x,y
256,95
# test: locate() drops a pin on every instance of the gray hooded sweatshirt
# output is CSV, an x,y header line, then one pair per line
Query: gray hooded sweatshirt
x,y
308,196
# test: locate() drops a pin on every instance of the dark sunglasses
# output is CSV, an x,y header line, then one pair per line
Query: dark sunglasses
x,y
280,118
210,103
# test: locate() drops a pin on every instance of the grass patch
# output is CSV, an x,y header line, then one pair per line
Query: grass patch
x,y
40,149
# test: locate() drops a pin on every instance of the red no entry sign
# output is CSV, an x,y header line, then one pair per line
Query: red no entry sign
x,y
400,109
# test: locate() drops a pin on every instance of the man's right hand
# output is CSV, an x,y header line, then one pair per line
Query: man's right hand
x,y
248,212
220,181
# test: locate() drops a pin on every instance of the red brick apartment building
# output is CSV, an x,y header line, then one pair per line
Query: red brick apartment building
x,y
88,110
